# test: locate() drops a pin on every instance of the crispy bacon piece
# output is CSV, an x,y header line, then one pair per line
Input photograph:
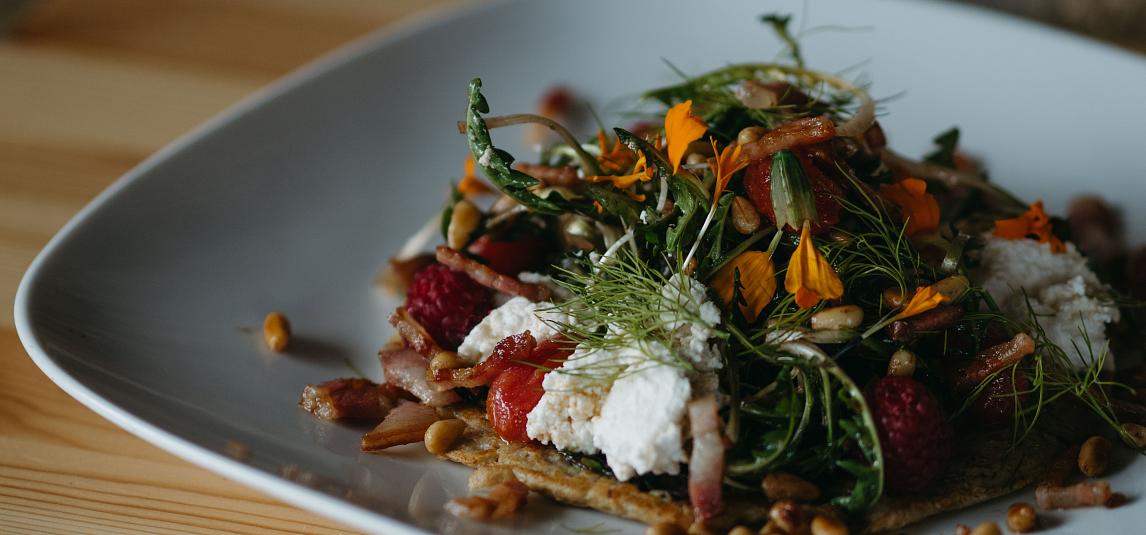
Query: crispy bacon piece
x,y
803,131
348,398
934,320
406,369
417,338
486,276
1085,494
509,351
993,359
706,464
406,424
552,175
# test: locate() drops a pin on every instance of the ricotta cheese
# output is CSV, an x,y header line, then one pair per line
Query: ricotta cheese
x,y
572,399
1064,293
640,428
514,317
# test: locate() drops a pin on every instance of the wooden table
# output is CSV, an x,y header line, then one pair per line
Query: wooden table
x,y
88,88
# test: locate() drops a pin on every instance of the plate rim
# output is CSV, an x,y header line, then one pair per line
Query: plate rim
x,y
300,496
305,498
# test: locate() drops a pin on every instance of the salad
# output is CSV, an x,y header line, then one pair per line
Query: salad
x,y
747,310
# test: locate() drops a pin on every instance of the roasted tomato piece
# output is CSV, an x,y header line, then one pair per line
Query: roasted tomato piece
x,y
825,192
509,257
511,396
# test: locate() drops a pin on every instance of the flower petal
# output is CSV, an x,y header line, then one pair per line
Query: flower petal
x,y
470,185
757,280
810,277
1033,223
920,209
682,128
925,298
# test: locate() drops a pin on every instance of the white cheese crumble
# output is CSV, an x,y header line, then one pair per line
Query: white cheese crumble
x,y
1064,293
640,428
514,317
629,402
486,155
573,396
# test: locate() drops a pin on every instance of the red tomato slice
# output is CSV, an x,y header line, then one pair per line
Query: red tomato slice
x,y
511,396
825,191
508,257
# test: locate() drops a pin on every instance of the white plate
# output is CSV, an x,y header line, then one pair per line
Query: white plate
x,y
141,306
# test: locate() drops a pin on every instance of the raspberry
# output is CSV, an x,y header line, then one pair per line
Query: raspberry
x,y
995,405
447,303
913,431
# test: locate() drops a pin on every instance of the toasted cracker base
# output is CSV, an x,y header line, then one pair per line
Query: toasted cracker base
x,y
986,469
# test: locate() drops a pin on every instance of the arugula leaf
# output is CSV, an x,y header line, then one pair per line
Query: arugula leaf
x,y
612,202
496,163
946,143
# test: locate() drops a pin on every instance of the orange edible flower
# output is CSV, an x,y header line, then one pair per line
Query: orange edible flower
x,y
641,172
920,209
616,158
470,185
925,298
1034,224
682,128
597,205
810,277
726,163
757,280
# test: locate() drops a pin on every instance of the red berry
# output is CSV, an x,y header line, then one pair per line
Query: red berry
x,y
447,303
995,405
508,257
825,192
511,396
913,431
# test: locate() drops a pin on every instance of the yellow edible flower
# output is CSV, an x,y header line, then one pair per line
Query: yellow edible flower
x,y
682,128
726,163
1034,224
919,208
810,277
641,172
925,298
757,280
470,185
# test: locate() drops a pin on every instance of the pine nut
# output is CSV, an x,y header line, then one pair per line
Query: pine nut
x,y
745,218
902,364
987,528
740,530
1021,518
785,486
750,134
1093,456
445,360
276,331
1135,434
892,298
695,158
826,525
665,528
442,434
952,287
837,318
787,515
463,222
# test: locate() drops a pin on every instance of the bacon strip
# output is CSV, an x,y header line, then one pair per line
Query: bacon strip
x,y
803,131
486,276
406,424
416,336
347,398
993,359
706,464
934,320
552,175
406,369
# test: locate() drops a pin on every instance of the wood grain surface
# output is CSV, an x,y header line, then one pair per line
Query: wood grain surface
x,y
88,88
